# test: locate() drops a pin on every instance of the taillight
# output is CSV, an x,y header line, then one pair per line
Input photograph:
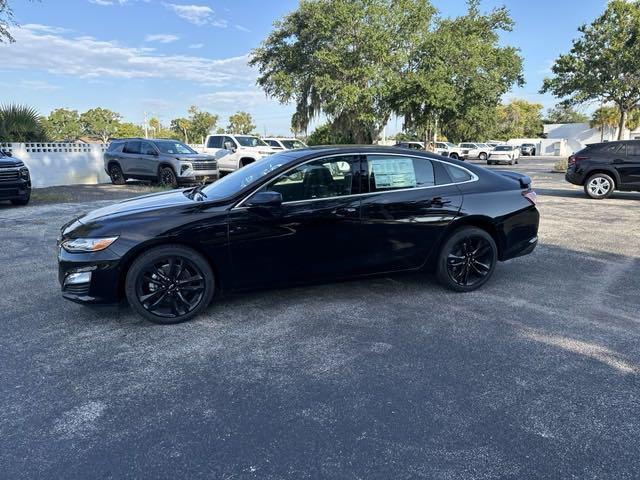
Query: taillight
x,y
573,159
531,196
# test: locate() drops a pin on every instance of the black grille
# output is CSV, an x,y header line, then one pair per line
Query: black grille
x,y
204,166
9,175
81,289
9,192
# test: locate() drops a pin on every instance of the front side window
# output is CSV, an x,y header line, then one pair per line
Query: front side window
x,y
147,149
291,144
397,172
322,178
172,148
132,147
215,142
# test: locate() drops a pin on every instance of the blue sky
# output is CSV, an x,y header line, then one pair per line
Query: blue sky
x,y
159,57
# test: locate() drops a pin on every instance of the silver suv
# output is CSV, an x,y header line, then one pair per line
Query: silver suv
x,y
167,162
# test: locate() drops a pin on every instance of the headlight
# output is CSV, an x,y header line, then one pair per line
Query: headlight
x,y
24,173
185,167
88,244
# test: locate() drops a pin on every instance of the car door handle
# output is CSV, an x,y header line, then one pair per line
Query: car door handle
x,y
344,212
438,202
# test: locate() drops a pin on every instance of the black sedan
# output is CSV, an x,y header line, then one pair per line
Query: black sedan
x,y
300,216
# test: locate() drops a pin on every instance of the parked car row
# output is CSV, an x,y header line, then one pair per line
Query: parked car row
x,y
492,153
173,163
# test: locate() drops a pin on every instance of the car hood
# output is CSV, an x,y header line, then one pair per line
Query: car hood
x,y
155,201
8,162
259,149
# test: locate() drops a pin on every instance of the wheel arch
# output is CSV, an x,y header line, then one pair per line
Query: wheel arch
x,y
611,172
138,250
244,161
164,164
479,221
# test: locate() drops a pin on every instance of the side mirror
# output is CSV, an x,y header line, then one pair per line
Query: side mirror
x,y
265,199
229,146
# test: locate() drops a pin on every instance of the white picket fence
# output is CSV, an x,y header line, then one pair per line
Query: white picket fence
x,y
55,163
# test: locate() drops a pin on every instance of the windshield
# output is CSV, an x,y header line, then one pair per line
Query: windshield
x,y
247,141
236,181
503,148
450,145
527,144
291,144
172,148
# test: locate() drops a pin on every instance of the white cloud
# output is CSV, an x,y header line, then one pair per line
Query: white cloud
x,y
86,57
239,99
109,3
242,29
161,38
197,14
196,45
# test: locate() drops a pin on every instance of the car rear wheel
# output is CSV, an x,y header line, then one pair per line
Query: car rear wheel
x,y
454,156
116,175
599,186
169,284
482,156
167,177
467,259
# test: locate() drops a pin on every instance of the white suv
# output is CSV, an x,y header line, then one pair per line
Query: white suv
x,y
284,143
448,149
475,150
235,151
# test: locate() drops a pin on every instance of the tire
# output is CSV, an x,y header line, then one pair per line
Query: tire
x,y
21,202
489,162
466,268
516,161
116,175
167,177
482,156
510,162
599,186
157,286
454,156
533,153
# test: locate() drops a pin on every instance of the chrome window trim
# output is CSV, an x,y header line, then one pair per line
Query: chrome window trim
x,y
474,178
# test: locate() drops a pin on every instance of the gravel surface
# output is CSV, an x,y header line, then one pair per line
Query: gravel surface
x,y
534,376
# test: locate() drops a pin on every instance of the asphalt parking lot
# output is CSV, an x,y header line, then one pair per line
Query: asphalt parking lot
x,y
537,375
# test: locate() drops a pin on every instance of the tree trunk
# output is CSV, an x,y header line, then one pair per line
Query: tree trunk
x,y
622,122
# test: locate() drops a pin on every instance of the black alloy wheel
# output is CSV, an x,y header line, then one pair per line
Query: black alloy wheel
x,y
168,177
467,259
454,156
169,284
116,175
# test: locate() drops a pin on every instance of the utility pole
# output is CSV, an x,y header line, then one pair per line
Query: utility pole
x,y
146,126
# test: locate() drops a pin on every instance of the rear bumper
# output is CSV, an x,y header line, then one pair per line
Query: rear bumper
x,y
574,177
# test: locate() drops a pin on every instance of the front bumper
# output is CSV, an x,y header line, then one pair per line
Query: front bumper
x,y
15,190
103,285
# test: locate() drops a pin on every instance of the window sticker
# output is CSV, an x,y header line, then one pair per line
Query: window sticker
x,y
393,172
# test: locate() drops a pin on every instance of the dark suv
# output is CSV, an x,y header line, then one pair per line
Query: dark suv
x,y
15,181
604,167
164,161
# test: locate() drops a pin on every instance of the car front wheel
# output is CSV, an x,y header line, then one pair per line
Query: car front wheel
x,y
116,175
168,177
21,201
467,259
454,156
482,156
599,186
169,284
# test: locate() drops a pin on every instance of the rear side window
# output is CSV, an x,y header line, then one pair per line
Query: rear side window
x,y
387,173
148,149
457,174
609,148
633,149
214,142
113,147
132,147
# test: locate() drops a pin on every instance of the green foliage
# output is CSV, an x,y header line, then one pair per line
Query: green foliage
x,y
325,135
458,74
605,117
100,123
20,123
565,114
200,123
6,21
128,129
603,64
518,119
342,58
633,119
63,125
241,123
181,127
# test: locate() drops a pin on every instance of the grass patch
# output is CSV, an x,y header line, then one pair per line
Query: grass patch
x,y
50,197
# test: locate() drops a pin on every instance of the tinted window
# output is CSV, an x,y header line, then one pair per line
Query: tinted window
x,y
227,140
395,172
171,148
467,145
247,141
132,147
113,147
147,149
291,144
633,149
457,174
214,142
503,148
322,178
609,148
273,143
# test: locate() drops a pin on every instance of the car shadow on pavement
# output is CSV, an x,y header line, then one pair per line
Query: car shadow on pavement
x,y
559,192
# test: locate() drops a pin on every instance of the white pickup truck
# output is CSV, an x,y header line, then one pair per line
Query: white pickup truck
x,y
235,151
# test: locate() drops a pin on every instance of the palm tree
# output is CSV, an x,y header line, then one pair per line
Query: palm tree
x,y
20,123
605,117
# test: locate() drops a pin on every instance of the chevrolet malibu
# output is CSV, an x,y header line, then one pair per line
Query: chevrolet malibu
x,y
300,216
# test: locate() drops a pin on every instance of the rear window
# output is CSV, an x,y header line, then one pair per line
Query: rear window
x,y
457,174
